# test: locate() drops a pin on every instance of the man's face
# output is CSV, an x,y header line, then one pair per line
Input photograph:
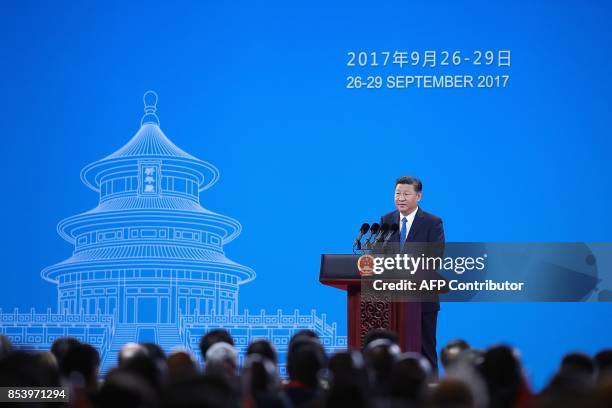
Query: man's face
x,y
406,199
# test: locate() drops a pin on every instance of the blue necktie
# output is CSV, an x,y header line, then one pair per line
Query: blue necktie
x,y
403,233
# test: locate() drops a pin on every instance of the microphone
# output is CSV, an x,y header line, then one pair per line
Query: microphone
x,y
384,228
364,228
373,231
392,230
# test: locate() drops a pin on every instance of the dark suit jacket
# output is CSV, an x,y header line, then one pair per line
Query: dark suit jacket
x,y
426,227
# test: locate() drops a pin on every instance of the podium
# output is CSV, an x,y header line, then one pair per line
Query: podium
x,y
403,318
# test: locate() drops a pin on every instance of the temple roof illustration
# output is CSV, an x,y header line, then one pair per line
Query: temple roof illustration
x,y
148,262
149,201
150,142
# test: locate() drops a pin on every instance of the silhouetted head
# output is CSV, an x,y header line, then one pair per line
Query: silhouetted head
x,y
129,351
503,374
181,366
155,351
124,388
349,384
305,359
259,377
24,369
222,361
264,348
304,334
82,361
60,348
380,355
580,364
566,389
213,337
449,355
5,346
348,367
380,333
603,361
472,357
409,376
147,368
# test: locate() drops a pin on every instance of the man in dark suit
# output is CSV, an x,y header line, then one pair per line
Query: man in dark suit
x,y
416,225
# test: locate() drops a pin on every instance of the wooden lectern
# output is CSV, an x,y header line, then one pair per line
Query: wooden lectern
x,y
404,318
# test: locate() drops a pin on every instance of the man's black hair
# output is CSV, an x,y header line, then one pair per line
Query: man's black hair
x,y
264,348
579,363
83,359
304,334
155,351
61,347
380,333
603,360
413,181
304,360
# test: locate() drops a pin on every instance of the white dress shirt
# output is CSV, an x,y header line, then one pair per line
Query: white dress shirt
x,y
409,221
